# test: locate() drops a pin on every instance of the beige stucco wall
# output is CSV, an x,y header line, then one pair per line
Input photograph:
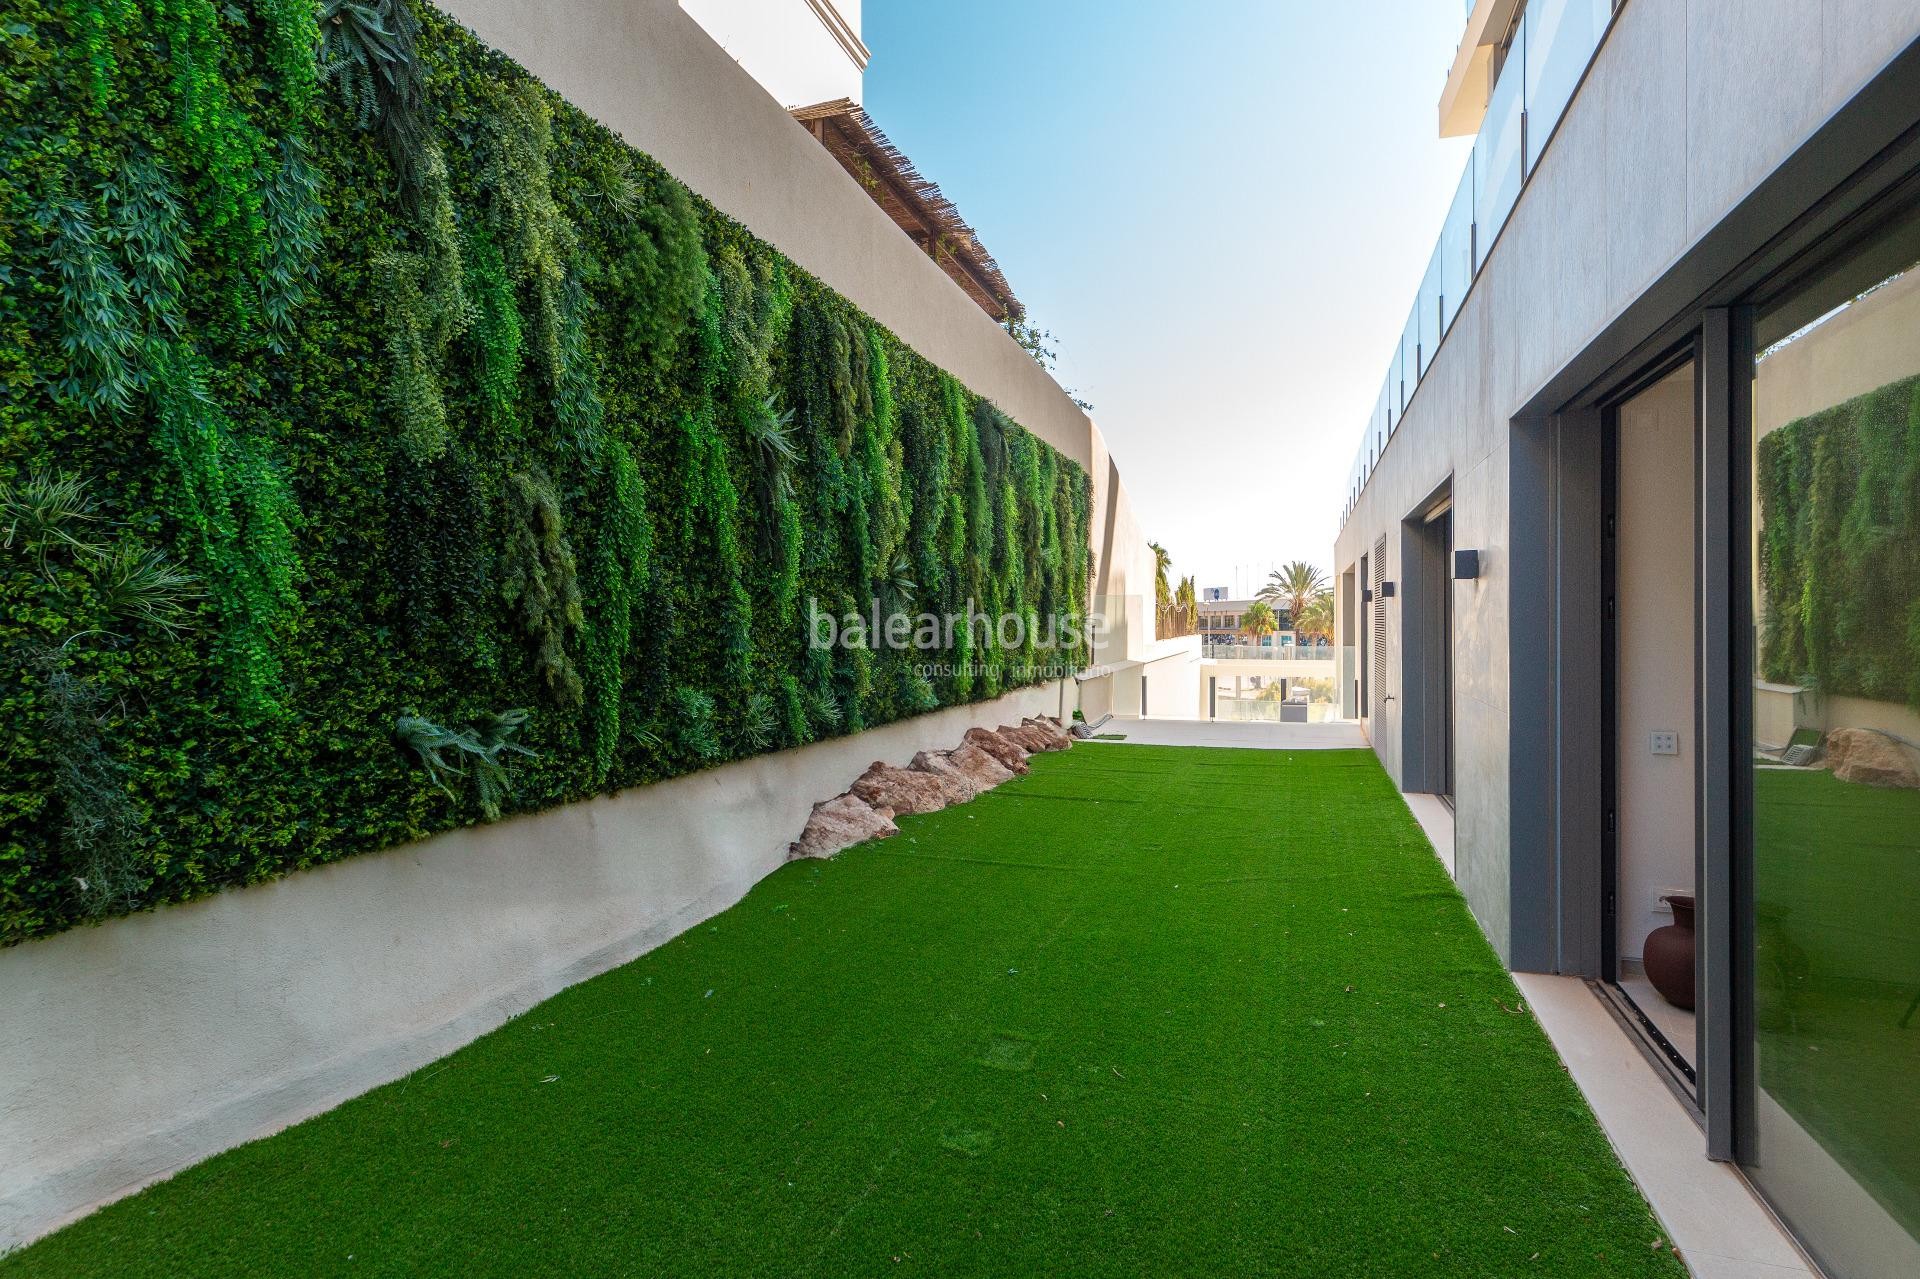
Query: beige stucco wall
x,y
1655,683
135,1048
1866,346
1123,594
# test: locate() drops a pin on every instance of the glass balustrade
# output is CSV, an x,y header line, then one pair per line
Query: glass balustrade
x,y
1561,38
1552,43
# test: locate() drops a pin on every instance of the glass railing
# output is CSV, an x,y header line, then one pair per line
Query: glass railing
x,y
1553,42
1314,698
1267,652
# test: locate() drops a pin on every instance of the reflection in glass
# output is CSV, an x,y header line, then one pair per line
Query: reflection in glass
x,y
1836,767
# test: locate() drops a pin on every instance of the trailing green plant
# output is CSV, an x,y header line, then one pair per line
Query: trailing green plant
x,y
100,334
540,581
536,235
502,421
621,571
289,255
450,755
496,333
369,48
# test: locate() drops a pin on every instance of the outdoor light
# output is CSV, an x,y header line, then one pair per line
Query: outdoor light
x,y
1366,596
1466,565
1386,590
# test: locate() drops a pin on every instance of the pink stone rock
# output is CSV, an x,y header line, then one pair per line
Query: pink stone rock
x,y
842,822
967,765
1050,728
1871,758
1011,755
957,788
901,789
979,766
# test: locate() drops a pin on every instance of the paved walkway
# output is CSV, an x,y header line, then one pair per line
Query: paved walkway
x,y
1200,732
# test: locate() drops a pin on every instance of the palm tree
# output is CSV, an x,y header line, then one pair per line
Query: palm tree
x,y
1186,606
1293,587
1162,593
1258,621
1316,619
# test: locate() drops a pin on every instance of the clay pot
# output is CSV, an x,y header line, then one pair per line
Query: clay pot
x,y
1669,954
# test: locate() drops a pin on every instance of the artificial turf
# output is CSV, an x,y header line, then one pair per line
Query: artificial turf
x,y
1148,1011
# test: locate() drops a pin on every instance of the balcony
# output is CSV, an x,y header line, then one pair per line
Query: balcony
x,y
1543,55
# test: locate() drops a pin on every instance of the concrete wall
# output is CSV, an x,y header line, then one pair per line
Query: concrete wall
x,y
1656,683
146,1044
140,1046
801,51
1688,106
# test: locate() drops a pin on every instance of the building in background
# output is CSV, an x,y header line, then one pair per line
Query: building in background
x,y
799,50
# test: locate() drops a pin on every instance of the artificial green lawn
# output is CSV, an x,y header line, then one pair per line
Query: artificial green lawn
x,y
1149,1011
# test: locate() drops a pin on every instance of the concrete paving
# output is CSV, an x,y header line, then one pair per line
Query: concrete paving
x,y
1719,1225
1200,732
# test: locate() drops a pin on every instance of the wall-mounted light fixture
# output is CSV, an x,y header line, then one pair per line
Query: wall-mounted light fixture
x,y
1466,565
1386,590
1366,596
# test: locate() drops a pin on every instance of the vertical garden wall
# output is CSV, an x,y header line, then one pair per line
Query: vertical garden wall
x,y
385,446
1840,547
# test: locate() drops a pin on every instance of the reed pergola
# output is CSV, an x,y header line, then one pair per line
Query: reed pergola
x,y
915,204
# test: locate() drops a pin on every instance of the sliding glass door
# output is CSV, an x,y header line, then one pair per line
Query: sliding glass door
x,y
1831,1102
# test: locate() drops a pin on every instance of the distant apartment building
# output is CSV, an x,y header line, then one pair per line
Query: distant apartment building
x,y
1632,538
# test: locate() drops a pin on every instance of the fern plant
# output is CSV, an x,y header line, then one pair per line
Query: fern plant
x,y
450,755
369,48
101,335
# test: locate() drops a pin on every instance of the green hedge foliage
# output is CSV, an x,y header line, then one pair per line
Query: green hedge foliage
x,y
452,406
1840,547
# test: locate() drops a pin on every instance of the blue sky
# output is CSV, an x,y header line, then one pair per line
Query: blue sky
x,y
1223,212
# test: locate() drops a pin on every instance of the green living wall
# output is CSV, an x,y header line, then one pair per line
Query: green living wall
x,y
1840,547
385,445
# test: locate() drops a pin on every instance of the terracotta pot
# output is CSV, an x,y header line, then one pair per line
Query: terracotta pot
x,y
1669,954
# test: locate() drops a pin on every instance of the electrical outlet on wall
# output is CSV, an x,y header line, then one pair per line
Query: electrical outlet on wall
x,y
1665,742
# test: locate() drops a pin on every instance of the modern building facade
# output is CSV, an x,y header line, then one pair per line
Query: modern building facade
x,y
1633,537
800,51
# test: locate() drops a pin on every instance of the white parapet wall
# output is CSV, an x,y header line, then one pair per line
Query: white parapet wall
x,y
138,1047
